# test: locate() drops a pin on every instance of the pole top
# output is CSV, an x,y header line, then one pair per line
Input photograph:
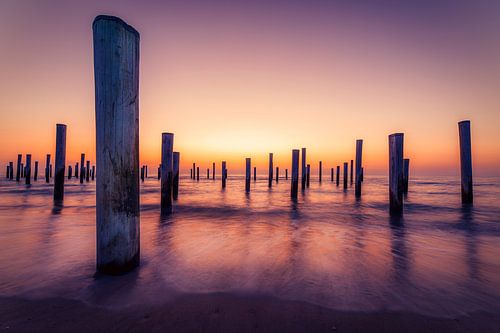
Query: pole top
x,y
464,122
117,20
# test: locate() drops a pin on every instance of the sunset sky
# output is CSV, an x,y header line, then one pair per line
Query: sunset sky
x,y
236,79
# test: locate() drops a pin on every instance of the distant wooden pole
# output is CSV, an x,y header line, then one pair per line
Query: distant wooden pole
x,y
338,175
223,174
82,167
146,172
352,172
60,162
331,175
247,174
465,161
142,173
406,175
70,171
167,164
320,171
176,169
295,173
396,173
87,170
28,169
286,174
11,165
304,168
277,174
213,170
197,173
7,172
208,173
35,175
194,171
346,166
254,174
159,171
93,172
76,170
270,178
359,160
191,173
308,179
18,172
50,170
116,77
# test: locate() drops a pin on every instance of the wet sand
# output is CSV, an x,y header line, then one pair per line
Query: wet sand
x,y
222,313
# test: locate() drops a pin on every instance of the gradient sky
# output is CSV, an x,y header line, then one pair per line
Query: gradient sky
x,y
236,79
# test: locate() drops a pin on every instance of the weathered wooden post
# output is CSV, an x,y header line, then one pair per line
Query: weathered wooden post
x,y
70,171
406,170
295,173
277,174
194,171
159,171
396,173
93,172
76,170
213,170
167,164
247,174
142,173
254,174
308,175
18,171
11,166
87,170
60,162
146,171
208,173
35,175
223,174
346,165
27,174
320,171
304,169
116,71
270,178
465,161
286,174
352,171
331,175
359,161
190,173
338,175
82,167
197,173
175,169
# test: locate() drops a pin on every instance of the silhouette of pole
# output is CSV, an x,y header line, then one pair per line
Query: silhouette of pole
x,y
167,164
60,162
465,161
116,72
308,175
320,171
247,174
346,166
338,175
18,171
142,173
176,167
331,175
194,171
93,173
87,172
396,173
223,174
35,175
76,170
352,171
362,173
208,173
359,159
159,171
254,174
286,174
295,173
213,170
11,166
146,171
191,173
277,174
22,170
406,175
82,167
197,173
27,174
270,178
304,169
50,170
70,171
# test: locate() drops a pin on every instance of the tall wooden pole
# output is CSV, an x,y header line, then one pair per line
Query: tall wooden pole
x,y
208,173
270,178
116,77
176,169
35,175
320,171
304,168
465,161
60,162
295,173
396,173
194,171
338,175
286,174
27,174
18,171
87,171
223,174
197,173
213,170
167,165
346,166
248,166
277,174
359,161
82,167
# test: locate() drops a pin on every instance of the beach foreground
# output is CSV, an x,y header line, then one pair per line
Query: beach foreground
x,y
221,312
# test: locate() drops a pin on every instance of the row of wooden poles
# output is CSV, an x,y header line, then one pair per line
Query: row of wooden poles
x,y
116,77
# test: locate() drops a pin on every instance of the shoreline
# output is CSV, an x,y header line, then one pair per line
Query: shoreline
x,y
222,312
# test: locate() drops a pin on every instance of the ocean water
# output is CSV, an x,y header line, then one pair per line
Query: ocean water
x,y
327,248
